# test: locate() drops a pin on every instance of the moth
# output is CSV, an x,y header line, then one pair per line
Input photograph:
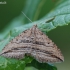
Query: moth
x,y
34,43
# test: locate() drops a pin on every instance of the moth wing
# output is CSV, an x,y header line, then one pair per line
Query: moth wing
x,y
45,49
40,47
17,47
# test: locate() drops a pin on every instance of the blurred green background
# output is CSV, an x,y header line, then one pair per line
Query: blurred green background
x,y
11,17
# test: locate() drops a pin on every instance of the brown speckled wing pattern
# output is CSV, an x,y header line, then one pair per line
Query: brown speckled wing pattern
x,y
34,43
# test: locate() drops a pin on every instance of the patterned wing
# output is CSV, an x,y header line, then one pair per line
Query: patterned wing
x,y
18,46
34,43
45,50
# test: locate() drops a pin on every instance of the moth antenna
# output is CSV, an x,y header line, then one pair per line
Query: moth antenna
x,y
26,16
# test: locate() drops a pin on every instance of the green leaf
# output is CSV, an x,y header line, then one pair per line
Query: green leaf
x,y
13,64
41,66
59,16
